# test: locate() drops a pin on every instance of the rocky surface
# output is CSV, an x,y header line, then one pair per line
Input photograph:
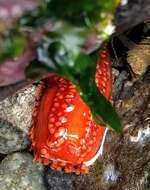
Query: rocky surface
x,y
131,13
60,181
18,108
17,172
11,138
15,120
139,56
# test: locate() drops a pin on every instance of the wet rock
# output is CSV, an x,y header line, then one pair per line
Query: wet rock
x,y
139,57
131,13
17,172
131,152
15,120
119,84
11,138
9,90
17,109
59,180
101,177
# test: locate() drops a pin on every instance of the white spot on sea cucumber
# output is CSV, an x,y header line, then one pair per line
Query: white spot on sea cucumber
x,y
84,114
63,119
69,108
106,62
62,132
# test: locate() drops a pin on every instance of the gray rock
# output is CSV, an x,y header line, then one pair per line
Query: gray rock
x,y
15,120
131,14
11,138
17,109
58,180
17,172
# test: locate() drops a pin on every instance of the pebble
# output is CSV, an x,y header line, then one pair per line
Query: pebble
x,y
139,57
18,172
11,139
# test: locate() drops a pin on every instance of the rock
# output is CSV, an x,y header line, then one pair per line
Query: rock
x,y
11,138
97,179
139,57
8,90
131,13
130,154
17,172
15,120
17,109
118,85
56,180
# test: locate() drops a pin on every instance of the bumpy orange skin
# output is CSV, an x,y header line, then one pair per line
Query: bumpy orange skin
x,y
103,75
63,132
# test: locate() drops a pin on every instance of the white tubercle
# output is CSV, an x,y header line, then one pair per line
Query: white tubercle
x,y
69,108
